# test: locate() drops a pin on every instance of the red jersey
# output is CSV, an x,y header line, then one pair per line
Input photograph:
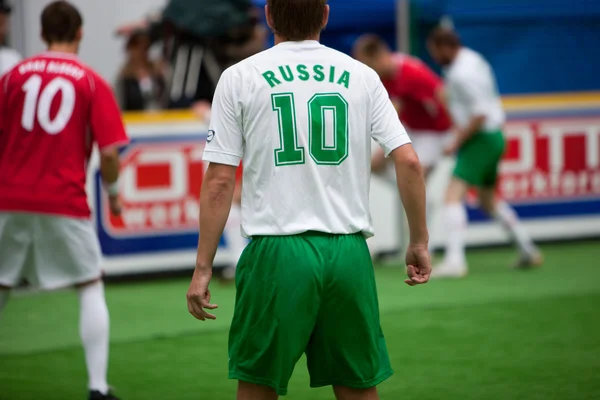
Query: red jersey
x,y
53,109
416,87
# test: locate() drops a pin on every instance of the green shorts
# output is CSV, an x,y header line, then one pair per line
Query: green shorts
x,y
312,293
478,159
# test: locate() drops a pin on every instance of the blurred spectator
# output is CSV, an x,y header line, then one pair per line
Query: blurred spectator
x,y
141,82
201,39
8,57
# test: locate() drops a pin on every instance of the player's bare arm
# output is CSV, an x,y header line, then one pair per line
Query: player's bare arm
x,y
464,134
109,169
411,185
215,202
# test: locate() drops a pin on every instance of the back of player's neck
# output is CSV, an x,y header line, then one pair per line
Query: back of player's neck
x,y
63,48
281,39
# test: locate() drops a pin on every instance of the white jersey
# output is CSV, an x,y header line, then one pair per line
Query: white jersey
x,y
301,117
472,91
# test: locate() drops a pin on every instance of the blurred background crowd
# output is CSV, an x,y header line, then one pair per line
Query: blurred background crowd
x,y
174,51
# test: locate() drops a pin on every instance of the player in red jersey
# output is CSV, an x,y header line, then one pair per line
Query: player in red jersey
x,y
417,93
53,109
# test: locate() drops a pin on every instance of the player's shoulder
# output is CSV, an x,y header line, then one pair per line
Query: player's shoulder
x,y
469,60
65,64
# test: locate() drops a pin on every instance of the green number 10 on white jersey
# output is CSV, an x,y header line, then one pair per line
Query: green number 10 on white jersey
x,y
323,153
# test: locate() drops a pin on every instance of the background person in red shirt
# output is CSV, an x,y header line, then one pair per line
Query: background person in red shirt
x,y
417,93
53,109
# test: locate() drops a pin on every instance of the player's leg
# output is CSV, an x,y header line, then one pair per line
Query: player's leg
x,y
67,253
347,349
472,162
251,391
429,146
277,301
500,210
94,333
345,393
455,224
15,244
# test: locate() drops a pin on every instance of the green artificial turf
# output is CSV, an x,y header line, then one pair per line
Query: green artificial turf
x,y
497,334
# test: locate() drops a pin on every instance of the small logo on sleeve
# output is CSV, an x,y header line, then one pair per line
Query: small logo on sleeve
x,y
211,135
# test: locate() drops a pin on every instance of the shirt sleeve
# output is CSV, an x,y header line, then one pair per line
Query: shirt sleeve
x,y
225,142
386,128
105,117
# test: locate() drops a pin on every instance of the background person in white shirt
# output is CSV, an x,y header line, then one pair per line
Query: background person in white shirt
x,y
479,143
8,57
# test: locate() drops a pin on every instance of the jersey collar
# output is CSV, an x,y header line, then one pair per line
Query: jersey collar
x,y
300,45
60,54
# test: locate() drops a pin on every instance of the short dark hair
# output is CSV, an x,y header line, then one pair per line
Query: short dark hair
x,y
297,19
5,8
369,45
444,37
60,22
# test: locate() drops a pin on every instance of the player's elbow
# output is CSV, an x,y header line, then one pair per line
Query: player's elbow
x,y
109,165
220,177
109,156
406,159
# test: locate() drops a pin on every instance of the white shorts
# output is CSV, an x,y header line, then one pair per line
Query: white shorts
x,y
429,146
48,251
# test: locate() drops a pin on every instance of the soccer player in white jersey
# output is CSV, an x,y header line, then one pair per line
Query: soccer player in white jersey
x,y
478,115
301,117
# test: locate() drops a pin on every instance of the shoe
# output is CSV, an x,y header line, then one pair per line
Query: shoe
x,y
96,395
445,270
529,261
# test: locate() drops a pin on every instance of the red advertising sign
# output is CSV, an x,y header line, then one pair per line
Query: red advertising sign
x,y
159,186
551,159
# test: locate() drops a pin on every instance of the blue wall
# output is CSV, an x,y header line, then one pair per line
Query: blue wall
x,y
534,45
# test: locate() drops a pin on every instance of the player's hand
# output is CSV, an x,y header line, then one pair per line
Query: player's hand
x,y
198,295
202,110
115,205
452,148
418,265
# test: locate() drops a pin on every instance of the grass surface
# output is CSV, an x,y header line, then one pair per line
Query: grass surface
x,y
498,334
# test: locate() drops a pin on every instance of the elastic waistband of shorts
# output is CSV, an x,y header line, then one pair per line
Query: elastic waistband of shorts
x,y
492,132
310,234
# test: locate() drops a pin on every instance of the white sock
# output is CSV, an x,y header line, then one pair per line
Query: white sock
x,y
509,219
93,328
456,224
